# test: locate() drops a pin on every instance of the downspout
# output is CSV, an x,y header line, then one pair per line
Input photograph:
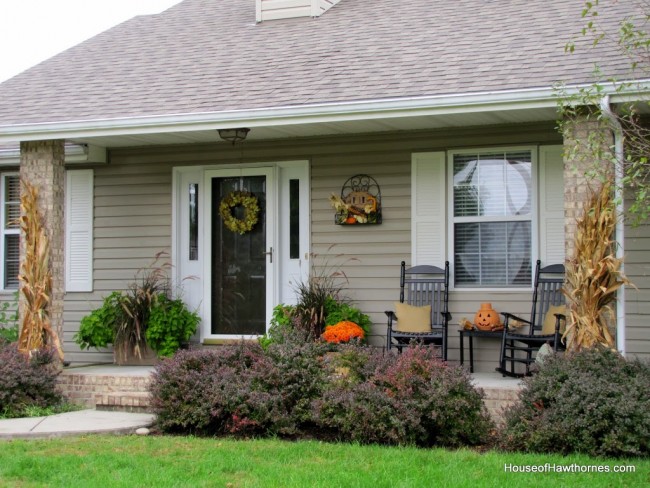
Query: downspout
x,y
620,208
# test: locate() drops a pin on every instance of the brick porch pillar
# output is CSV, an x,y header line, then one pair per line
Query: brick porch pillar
x,y
42,165
587,162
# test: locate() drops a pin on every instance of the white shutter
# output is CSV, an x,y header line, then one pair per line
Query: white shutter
x,y
551,205
428,209
79,230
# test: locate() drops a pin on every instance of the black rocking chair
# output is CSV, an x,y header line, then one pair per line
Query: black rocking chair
x,y
422,286
519,348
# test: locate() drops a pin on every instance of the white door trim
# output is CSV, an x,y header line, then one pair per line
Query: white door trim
x,y
196,290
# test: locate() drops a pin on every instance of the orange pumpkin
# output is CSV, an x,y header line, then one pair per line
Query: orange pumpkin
x,y
351,220
487,318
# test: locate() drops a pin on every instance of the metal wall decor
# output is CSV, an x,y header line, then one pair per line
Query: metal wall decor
x,y
359,203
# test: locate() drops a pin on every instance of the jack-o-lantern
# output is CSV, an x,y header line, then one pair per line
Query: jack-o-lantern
x,y
487,318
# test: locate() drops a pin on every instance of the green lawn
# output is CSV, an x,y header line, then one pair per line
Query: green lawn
x,y
130,461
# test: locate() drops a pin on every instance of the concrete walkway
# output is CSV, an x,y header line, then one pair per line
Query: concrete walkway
x,y
74,423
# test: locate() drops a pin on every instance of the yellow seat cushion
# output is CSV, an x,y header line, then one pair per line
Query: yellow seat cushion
x,y
548,328
412,319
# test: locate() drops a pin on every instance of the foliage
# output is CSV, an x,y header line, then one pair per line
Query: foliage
x,y
282,322
297,388
343,311
35,279
170,323
314,298
594,275
27,381
320,302
344,331
286,320
238,389
297,376
137,302
38,411
411,398
97,328
591,401
9,320
124,318
632,41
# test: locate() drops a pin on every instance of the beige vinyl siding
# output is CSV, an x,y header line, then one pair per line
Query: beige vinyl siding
x,y
133,208
637,312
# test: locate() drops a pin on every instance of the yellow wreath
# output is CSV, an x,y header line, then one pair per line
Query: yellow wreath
x,y
251,211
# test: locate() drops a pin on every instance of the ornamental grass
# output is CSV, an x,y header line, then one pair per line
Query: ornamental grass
x,y
35,278
594,275
344,331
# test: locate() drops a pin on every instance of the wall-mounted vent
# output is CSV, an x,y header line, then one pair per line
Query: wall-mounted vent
x,y
286,9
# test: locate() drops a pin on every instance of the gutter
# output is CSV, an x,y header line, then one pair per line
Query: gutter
x,y
438,105
620,224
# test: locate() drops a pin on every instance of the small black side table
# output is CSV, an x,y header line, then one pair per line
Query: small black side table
x,y
471,334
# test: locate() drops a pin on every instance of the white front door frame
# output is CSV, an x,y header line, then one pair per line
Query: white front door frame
x,y
192,276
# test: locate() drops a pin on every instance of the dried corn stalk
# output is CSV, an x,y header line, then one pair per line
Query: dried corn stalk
x,y
594,276
35,278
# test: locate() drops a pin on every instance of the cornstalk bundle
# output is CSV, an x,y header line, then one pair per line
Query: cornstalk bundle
x,y
35,278
594,276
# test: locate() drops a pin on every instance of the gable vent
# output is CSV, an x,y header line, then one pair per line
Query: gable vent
x,y
287,9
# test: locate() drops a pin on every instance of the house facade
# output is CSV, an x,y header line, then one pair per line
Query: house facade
x,y
123,144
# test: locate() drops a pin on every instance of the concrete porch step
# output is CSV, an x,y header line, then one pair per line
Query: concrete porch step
x,y
124,401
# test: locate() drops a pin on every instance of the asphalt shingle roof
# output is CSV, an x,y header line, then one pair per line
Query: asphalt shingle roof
x,y
210,56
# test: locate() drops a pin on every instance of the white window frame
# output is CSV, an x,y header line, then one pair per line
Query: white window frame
x,y
534,221
4,230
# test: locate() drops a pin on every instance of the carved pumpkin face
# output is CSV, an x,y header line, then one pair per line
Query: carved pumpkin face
x,y
487,318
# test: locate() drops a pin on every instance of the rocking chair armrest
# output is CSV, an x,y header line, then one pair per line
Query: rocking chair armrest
x,y
559,317
509,316
391,316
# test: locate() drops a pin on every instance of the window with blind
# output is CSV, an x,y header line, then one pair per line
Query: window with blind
x,y
10,244
492,218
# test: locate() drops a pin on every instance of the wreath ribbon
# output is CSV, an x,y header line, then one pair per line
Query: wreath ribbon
x,y
251,211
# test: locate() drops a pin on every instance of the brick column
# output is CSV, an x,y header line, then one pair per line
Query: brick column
x,y
42,165
587,163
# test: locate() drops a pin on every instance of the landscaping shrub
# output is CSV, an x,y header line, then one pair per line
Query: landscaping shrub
x,y
411,398
238,389
297,387
197,391
297,375
593,401
27,382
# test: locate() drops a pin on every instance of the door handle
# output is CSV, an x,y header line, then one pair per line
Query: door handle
x,y
270,254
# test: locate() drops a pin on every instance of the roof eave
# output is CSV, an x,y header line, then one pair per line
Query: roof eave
x,y
439,105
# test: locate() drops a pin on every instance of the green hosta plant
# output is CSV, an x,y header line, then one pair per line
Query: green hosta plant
x,y
98,329
170,324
